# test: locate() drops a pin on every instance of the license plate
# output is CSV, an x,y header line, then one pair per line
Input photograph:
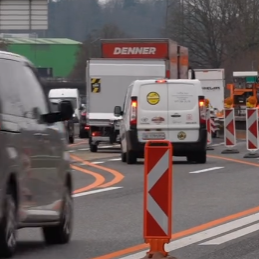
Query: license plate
x,y
153,135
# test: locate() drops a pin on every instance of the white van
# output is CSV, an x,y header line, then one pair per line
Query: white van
x,y
165,109
68,94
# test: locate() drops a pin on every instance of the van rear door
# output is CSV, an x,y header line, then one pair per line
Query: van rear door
x,y
152,111
183,112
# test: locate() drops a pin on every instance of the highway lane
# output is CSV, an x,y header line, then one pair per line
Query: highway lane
x,y
110,221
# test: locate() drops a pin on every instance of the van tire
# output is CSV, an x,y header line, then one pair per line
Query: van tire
x,y
93,148
7,250
131,157
61,233
201,157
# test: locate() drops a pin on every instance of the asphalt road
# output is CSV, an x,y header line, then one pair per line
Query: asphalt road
x,y
217,200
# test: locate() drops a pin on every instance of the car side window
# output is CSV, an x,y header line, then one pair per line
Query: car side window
x,y
9,87
35,91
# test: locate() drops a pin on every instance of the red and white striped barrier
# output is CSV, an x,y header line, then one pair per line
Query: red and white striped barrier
x,y
209,132
158,195
229,131
252,132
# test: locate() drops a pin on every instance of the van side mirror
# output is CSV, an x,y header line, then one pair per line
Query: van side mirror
x,y
65,112
117,111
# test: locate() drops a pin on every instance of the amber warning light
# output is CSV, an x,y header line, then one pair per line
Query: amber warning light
x,y
202,103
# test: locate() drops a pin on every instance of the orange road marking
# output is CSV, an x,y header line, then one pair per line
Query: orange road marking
x,y
118,177
184,233
99,179
193,230
233,160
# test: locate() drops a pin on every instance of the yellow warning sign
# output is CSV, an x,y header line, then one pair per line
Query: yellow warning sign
x,y
153,98
96,85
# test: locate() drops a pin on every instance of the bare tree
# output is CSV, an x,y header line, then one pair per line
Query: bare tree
x,y
217,32
198,25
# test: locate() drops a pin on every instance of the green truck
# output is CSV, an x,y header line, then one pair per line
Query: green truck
x,y
58,55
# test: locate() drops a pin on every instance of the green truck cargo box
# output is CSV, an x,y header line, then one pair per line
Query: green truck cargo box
x,y
58,54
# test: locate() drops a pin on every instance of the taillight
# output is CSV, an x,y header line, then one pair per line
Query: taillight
x,y
96,134
202,110
133,112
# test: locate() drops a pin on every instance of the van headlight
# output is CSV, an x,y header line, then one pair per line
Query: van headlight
x,y
74,115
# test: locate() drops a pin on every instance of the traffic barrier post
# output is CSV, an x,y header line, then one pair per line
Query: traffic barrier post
x,y
158,196
252,133
209,132
229,131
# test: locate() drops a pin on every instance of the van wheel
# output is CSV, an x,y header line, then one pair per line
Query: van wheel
x,y
93,148
71,140
8,226
201,158
61,233
131,157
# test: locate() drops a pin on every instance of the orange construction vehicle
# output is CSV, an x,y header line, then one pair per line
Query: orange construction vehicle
x,y
245,84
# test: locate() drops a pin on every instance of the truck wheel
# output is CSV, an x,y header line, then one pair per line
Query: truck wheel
x,y
8,226
131,157
61,233
201,157
93,148
71,140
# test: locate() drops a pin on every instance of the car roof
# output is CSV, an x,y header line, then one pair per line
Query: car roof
x,y
14,57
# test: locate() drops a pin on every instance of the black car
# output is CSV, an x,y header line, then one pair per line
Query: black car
x,y
83,128
69,124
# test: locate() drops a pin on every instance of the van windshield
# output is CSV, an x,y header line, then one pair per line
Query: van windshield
x,y
73,100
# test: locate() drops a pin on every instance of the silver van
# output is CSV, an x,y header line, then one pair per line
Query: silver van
x,y
35,182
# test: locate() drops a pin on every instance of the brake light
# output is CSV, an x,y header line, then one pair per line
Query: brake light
x,y
202,111
96,134
133,112
161,81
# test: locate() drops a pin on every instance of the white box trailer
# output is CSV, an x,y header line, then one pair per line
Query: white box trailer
x,y
106,83
213,85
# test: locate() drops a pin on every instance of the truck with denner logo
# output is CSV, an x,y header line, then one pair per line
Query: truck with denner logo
x,y
124,61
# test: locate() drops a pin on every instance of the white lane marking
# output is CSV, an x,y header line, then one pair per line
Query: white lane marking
x,y
86,149
233,235
114,159
216,145
198,237
97,162
205,170
96,191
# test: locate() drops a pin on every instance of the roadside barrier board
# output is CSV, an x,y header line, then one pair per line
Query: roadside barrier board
x,y
158,195
252,132
229,131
